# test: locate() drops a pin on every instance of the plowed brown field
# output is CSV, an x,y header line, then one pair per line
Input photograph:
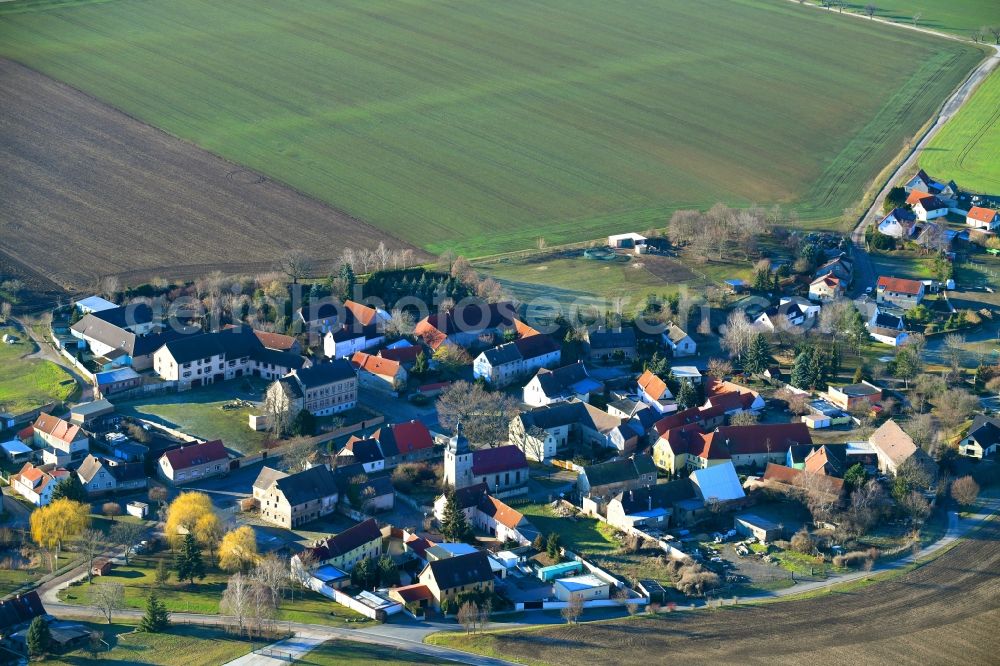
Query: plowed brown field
x,y
87,191
943,612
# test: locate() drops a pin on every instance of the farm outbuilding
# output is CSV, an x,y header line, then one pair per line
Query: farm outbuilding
x,y
750,524
626,241
584,588
554,571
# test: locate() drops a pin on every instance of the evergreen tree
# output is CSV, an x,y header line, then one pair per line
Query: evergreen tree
x,y
388,572
802,370
658,365
304,424
70,488
552,546
758,356
420,364
365,573
190,564
819,368
762,280
687,396
859,375
156,618
455,526
854,330
349,280
39,637
855,476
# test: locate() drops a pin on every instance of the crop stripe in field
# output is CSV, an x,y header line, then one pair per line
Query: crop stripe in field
x,y
974,141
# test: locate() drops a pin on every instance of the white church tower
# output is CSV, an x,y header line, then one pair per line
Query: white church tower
x,y
458,460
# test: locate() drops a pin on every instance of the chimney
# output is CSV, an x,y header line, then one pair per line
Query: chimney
x,y
649,502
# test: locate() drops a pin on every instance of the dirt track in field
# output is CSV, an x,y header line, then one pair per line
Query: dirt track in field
x,y
944,612
87,191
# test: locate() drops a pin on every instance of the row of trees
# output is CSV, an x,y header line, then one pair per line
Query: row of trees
x,y
722,232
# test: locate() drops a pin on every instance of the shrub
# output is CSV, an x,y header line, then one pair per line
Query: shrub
x,y
803,542
855,558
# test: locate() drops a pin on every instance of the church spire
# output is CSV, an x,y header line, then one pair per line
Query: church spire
x,y
459,443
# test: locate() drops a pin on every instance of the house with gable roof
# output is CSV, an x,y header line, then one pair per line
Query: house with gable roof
x,y
378,373
893,447
654,392
497,519
463,326
193,462
604,343
453,576
347,548
406,442
562,384
983,439
36,483
291,500
983,218
100,475
926,206
923,183
899,223
826,288
678,341
612,477
60,442
512,361
899,292
321,389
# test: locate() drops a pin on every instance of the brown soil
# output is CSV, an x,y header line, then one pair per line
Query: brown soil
x,y
88,191
943,612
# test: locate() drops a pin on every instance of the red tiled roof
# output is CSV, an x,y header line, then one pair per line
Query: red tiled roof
x,y
916,196
435,328
500,459
900,285
62,430
412,436
401,355
412,593
196,454
376,365
652,385
796,477
275,340
419,544
366,315
981,214
500,512
763,438
677,419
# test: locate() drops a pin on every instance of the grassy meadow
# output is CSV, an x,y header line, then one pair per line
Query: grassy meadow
x,y
26,383
966,148
481,126
958,17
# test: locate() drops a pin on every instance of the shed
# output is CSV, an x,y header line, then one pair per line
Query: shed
x,y
137,509
750,524
102,567
816,421
584,588
87,412
16,451
562,569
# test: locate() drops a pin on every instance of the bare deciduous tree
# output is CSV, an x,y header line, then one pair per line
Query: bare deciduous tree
x,y
574,608
90,542
127,535
485,416
107,598
738,334
719,368
870,11
468,616
953,407
965,490
273,574
248,602
295,264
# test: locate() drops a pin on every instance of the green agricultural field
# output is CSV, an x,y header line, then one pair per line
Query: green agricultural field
x,y
484,125
966,149
26,383
959,17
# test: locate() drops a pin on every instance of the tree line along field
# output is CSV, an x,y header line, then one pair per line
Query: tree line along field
x,y
482,125
967,147
959,17
931,615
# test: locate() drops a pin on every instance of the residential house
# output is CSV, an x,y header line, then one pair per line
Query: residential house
x,y
611,344
463,326
128,451
828,460
454,576
983,218
278,342
566,383
587,587
347,340
926,206
888,336
809,309
513,361
778,316
129,329
292,500
498,520
546,432
263,482
405,355
647,508
826,288
894,447
346,549
467,499
193,462
404,443
718,483
101,476
983,439
678,341
898,223
840,267
363,493
199,360
60,442
756,445
850,396
503,469
112,382
379,374
791,480
321,317
732,397
923,183
654,392
321,389
364,452
610,478
687,447
900,292
36,484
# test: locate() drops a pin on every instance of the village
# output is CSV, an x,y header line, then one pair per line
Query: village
x,y
474,462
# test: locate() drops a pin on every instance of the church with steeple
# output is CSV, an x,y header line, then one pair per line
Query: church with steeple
x,y
503,469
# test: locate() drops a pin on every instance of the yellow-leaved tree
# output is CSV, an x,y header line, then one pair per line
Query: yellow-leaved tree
x,y
60,520
193,512
238,550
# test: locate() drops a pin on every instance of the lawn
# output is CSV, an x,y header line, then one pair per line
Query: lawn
x,y
26,383
204,595
199,413
349,653
583,536
959,17
180,645
965,150
481,125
